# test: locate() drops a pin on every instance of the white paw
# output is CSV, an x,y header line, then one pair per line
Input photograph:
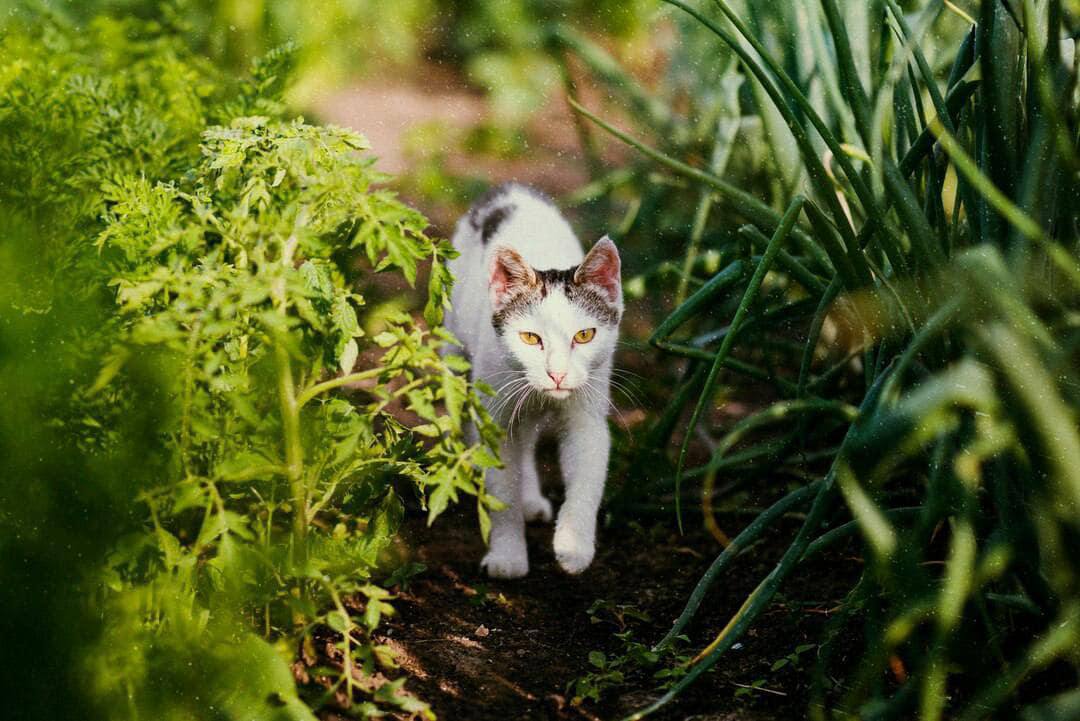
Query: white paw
x,y
506,562
573,551
537,508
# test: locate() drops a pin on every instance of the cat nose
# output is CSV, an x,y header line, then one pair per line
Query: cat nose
x,y
557,377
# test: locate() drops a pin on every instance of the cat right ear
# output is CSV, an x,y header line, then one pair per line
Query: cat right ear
x,y
508,273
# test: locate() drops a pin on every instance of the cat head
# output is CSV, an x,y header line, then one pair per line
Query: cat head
x,y
558,326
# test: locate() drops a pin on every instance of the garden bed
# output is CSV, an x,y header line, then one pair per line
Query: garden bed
x,y
479,649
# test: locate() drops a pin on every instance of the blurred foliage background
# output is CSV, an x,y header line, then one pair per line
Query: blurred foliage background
x,y
498,45
854,222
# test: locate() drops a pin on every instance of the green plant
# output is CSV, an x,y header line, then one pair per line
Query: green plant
x,y
793,659
907,287
234,283
790,661
620,614
633,662
497,44
228,256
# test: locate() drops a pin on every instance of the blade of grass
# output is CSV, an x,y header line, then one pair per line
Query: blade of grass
x,y
689,308
815,333
812,162
612,74
913,221
849,75
753,209
783,230
966,166
920,60
697,230
1050,423
1060,638
759,525
760,597
848,260
798,271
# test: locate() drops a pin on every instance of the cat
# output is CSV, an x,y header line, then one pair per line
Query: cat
x,y
539,321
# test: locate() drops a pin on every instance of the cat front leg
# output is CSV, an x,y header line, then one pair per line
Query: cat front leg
x,y
533,504
583,456
507,556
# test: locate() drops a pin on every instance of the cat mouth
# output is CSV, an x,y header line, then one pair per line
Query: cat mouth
x,y
558,392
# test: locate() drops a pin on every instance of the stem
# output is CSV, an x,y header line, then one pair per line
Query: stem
x,y
345,380
290,414
739,544
294,452
346,635
701,217
784,228
189,390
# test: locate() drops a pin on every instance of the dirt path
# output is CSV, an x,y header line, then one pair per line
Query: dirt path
x,y
388,111
478,649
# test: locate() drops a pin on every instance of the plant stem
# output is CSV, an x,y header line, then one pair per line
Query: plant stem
x,y
786,225
294,452
290,414
738,544
345,380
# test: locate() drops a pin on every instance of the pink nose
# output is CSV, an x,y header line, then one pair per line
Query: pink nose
x,y
557,377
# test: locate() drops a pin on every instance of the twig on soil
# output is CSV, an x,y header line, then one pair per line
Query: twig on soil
x,y
759,688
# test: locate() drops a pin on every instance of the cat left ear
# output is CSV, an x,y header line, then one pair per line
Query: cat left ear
x,y
602,268
507,273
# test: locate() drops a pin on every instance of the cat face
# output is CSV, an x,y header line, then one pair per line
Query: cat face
x,y
558,326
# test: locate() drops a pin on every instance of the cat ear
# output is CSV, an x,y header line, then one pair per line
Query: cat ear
x,y
508,272
602,268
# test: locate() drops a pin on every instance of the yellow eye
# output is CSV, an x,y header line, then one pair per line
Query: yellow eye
x,y
529,338
584,336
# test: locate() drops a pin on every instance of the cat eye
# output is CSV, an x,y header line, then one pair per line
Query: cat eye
x,y
529,338
585,335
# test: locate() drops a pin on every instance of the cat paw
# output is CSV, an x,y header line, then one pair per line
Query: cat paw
x,y
506,563
573,551
536,509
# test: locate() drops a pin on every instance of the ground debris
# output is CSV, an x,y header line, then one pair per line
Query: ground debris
x,y
481,650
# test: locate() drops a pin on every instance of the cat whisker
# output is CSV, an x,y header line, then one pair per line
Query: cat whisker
x,y
626,391
513,416
504,399
512,395
501,374
593,389
511,371
522,386
509,383
627,373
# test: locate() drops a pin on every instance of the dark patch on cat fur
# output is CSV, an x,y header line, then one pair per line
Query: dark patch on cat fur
x,y
550,279
493,220
487,213
482,205
595,303
514,305
585,295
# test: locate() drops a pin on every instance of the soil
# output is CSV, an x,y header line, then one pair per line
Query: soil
x,y
478,649
387,111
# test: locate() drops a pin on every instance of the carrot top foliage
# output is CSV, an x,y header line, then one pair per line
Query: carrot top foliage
x,y
216,268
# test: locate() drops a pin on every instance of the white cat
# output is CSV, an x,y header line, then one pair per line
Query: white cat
x,y
539,320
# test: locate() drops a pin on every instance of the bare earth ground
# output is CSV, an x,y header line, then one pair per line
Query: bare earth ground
x,y
386,110
478,649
